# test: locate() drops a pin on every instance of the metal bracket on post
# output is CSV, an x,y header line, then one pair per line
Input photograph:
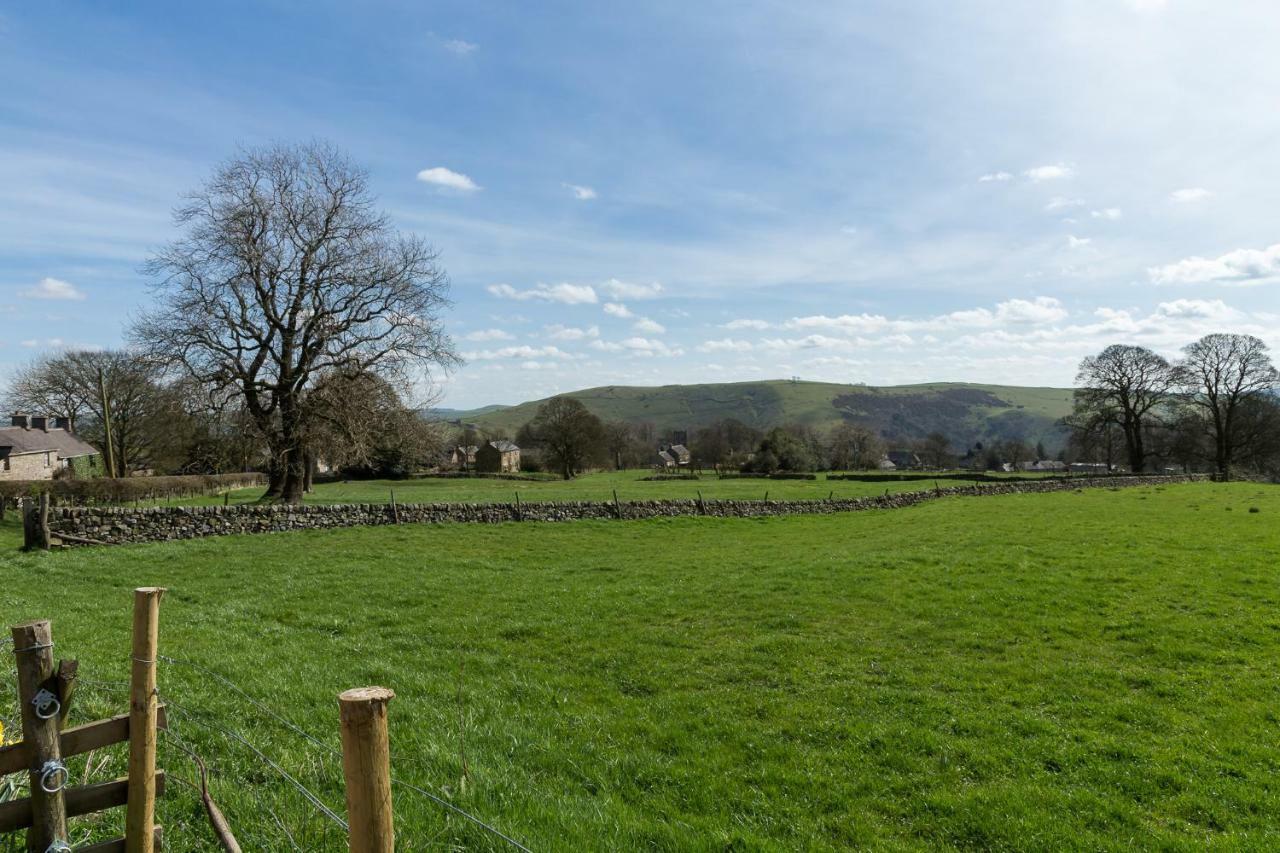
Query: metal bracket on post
x,y
46,704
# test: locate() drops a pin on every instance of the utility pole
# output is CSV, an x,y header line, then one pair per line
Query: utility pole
x,y
106,426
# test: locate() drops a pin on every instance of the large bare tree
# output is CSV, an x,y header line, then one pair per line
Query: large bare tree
x,y
1220,374
1125,385
286,272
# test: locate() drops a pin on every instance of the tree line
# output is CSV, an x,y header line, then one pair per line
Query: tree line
x,y
1217,405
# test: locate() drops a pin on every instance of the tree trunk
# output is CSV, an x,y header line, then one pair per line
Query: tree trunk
x,y
308,480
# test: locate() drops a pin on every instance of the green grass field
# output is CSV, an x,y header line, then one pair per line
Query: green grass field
x,y
1077,670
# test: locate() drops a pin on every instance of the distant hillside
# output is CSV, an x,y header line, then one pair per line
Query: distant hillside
x,y
965,413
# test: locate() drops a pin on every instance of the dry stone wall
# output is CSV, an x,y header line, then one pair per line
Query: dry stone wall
x,y
121,525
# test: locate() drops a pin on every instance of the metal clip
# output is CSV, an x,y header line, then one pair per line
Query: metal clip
x,y
51,771
59,847
47,705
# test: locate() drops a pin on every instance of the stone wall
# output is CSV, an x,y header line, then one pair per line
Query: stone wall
x,y
30,466
120,525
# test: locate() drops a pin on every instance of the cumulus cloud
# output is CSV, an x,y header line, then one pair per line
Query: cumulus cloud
x,y
54,288
746,324
460,47
571,333
995,177
522,351
580,192
1074,242
1189,195
488,335
617,309
565,294
629,290
639,346
726,345
447,179
1243,266
1109,213
649,327
1060,202
1053,172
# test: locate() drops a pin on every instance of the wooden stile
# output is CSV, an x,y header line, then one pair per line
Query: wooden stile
x,y
78,740
143,712
81,800
366,766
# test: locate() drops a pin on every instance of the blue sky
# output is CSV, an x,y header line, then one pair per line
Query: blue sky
x,y
878,192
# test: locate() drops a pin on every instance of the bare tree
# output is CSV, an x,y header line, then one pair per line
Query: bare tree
x,y
1219,374
855,448
285,272
1125,384
935,450
117,398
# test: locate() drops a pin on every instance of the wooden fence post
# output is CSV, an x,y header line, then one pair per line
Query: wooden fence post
x,y
366,766
37,679
140,810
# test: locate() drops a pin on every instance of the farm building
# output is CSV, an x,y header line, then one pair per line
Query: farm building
x,y
463,456
497,457
681,454
37,447
904,459
665,460
1052,465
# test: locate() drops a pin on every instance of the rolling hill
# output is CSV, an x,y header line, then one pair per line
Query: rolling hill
x,y
964,412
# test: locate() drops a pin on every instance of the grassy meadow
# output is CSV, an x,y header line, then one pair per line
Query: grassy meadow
x,y
1076,670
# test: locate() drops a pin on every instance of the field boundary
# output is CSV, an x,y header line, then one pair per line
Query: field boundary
x,y
81,526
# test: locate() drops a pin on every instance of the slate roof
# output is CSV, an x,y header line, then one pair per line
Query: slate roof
x,y
15,441
503,446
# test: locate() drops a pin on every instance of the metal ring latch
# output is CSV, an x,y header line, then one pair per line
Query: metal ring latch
x,y
47,705
59,847
53,771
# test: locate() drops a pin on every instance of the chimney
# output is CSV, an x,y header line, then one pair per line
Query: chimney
x,y
40,422
21,421
63,422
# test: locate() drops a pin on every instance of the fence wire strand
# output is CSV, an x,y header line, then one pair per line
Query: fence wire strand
x,y
276,715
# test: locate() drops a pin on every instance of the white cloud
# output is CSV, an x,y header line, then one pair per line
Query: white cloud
x,y
1243,266
617,309
580,192
996,177
30,343
1149,5
726,345
448,179
850,230
1048,173
565,294
746,324
54,288
571,333
460,47
488,335
1189,195
1074,242
627,290
1111,213
650,327
853,323
1060,202
1042,309
638,346
522,351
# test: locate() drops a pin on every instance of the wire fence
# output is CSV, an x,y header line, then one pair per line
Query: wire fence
x,y
274,795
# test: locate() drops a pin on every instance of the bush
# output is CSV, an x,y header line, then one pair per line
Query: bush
x,y
120,490
684,475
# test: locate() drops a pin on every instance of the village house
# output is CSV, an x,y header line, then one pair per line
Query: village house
x,y
497,457
463,457
35,447
903,460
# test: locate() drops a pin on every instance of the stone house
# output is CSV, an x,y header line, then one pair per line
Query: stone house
x,y
36,447
497,457
463,457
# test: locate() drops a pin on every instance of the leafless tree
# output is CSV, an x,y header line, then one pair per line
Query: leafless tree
x,y
1126,384
571,437
1220,374
285,272
855,448
117,398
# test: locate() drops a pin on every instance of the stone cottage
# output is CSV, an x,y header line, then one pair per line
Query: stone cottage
x,y
35,447
498,457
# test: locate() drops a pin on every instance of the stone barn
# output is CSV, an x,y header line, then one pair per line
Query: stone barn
x,y
498,457
35,447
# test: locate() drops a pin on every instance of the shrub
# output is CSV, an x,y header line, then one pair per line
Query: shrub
x,y
119,490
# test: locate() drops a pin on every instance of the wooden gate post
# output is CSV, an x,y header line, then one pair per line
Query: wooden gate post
x,y
37,681
140,810
366,765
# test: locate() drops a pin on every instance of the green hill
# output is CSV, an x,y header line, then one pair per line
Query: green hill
x,y
964,412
